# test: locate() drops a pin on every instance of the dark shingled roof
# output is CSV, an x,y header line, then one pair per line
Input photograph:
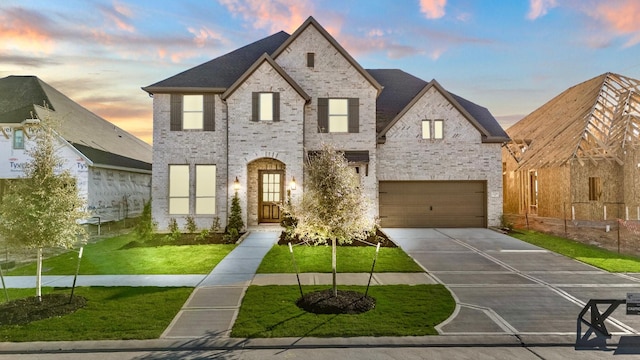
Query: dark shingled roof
x,y
18,94
24,97
221,72
400,88
100,157
483,116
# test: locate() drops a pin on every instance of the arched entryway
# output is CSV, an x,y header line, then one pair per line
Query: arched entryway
x,y
265,190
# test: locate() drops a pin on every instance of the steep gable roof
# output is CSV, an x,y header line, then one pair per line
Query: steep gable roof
x,y
25,97
591,121
312,22
219,74
266,58
402,90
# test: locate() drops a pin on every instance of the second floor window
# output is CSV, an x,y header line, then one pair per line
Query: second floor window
x,y
192,112
338,115
265,106
433,129
18,139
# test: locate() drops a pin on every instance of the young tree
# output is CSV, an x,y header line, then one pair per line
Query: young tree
x,y
333,206
43,209
235,223
146,227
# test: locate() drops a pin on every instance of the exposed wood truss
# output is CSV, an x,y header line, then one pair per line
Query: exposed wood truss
x,y
591,122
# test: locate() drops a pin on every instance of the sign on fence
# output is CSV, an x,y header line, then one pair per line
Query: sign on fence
x,y
633,303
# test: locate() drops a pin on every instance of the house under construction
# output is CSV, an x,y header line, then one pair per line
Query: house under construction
x,y
577,157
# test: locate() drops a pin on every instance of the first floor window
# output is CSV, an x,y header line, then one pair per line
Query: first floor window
x,y
205,189
178,189
595,188
18,139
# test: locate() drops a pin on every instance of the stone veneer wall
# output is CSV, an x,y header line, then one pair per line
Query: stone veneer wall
x,y
187,147
459,156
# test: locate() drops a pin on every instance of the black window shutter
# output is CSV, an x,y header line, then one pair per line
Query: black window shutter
x,y
209,123
323,115
255,106
276,106
176,112
354,115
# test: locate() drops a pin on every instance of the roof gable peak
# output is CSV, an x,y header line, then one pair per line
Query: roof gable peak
x,y
268,59
311,21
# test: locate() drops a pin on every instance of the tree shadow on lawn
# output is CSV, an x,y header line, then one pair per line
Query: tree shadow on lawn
x,y
133,291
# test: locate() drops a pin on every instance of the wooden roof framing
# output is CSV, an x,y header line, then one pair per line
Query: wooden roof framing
x,y
590,122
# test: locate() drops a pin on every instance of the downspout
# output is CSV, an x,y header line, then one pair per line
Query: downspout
x,y
224,101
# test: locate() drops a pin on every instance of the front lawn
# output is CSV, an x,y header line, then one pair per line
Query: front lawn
x,y
401,310
350,259
112,256
589,254
110,313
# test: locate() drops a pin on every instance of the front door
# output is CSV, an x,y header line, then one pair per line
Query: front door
x,y
270,195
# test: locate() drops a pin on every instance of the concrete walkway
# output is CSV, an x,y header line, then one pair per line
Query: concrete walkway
x,y
213,306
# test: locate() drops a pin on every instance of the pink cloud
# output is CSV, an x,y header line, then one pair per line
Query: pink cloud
x,y
274,15
433,9
202,35
25,30
538,8
120,15
621,17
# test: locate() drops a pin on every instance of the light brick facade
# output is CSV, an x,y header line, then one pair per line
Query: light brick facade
x,y
460,156
241,147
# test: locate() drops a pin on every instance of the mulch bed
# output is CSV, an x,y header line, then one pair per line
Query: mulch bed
x,y
347,302
25,310
371,241
184,239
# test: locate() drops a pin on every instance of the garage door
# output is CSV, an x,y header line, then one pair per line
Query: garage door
x,y
433,204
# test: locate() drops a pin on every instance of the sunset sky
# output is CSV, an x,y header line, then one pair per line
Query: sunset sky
x,y
510,56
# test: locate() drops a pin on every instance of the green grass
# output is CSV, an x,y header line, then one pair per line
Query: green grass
x,y
589,254
107,257
349,259
111,313
401,310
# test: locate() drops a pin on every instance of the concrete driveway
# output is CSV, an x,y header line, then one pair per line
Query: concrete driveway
x,y
504,285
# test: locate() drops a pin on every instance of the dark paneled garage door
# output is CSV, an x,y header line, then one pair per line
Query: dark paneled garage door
x,y
433,204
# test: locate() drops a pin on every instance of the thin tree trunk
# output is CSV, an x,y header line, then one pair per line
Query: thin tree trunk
x,y
39,275
333,266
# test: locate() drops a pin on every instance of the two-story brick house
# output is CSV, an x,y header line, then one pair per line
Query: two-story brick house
x,y
246,120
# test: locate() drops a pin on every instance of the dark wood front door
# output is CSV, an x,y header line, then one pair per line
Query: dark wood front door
x,y
270,195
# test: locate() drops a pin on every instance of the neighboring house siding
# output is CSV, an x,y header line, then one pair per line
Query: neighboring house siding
x,y
333,76
116,194
250,141
459,156
192,147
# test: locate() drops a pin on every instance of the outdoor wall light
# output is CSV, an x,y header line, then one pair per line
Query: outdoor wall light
x,y
292,185
236,184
